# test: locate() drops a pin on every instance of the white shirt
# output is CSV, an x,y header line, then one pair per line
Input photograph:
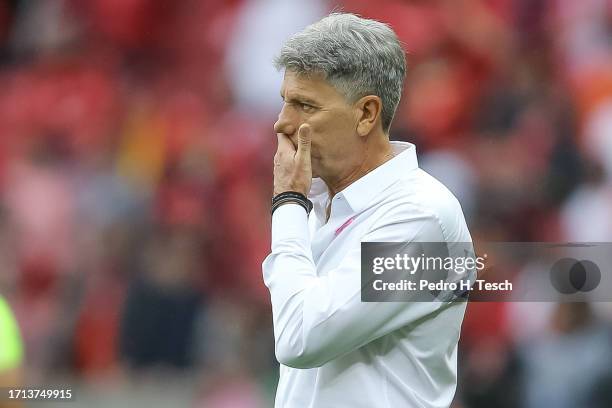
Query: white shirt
x,y
336,351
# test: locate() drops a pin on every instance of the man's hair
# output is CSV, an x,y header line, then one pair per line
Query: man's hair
x,y
355,55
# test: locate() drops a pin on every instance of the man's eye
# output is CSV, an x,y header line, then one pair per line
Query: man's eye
x,y
306,107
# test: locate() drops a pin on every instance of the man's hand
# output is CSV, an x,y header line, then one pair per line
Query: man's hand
x,y
292,168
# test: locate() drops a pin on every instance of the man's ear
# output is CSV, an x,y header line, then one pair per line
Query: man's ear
x,y
369,110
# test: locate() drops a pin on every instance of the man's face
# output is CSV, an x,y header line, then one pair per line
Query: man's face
x,y
333,121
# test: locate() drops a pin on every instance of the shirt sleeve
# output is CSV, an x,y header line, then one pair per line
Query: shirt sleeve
x,y
319,318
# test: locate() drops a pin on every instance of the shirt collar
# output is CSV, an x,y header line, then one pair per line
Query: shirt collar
x,y
362,191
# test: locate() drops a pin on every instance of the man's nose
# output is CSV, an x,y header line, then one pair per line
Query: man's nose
x,y
284,124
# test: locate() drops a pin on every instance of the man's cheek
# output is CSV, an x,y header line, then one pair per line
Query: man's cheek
x,y
315,163
314,149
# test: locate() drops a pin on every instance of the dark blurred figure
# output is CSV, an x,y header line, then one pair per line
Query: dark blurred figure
x,y
566,370
489,364
163,303
8,9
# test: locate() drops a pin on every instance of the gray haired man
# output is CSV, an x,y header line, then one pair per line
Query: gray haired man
x,y
343,78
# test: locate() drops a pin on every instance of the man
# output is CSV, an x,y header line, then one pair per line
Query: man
x,y
342,84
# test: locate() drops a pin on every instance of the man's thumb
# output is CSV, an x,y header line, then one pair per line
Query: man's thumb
x,y
304,139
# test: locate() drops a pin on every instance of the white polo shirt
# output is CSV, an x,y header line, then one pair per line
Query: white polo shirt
x,y
335,350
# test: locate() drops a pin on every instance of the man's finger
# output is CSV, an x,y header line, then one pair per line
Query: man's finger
x,y
304,139
284,143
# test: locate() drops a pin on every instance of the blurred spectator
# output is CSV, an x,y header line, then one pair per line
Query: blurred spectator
x,y
563,370
163,302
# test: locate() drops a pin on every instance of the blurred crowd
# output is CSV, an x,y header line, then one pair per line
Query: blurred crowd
x,y
136,150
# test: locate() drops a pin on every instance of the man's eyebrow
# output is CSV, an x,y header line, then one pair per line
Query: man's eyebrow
x,y
300,98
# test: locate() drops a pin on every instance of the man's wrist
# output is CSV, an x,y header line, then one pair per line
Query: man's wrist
x,y
291,197
281,190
